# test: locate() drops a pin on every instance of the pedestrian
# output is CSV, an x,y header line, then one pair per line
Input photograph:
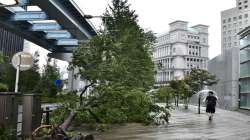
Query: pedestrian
x,y
211,101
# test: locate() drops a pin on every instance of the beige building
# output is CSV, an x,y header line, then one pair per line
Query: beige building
x,y
178,51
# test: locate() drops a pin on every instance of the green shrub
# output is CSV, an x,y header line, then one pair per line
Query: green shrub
x,y
3,87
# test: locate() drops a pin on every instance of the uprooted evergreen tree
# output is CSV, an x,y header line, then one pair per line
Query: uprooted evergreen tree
x,y
118,68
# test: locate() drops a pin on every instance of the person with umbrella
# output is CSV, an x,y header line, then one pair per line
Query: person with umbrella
x,y
211,101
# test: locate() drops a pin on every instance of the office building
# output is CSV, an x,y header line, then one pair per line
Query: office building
x,y
233,21
226,66
244,94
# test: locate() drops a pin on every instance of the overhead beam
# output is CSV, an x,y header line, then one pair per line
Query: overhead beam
x,y
63,49
23,2
58,35
45,27
30,15
67,42
67,15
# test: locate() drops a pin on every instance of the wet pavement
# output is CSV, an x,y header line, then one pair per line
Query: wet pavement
x,y
187,125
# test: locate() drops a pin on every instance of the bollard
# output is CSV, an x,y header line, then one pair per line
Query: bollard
x,y
199,105
47,111
32,114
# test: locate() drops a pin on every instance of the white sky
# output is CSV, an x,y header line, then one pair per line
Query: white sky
x,y
157,14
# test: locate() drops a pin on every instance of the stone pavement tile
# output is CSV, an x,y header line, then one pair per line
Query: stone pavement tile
x,y
188,125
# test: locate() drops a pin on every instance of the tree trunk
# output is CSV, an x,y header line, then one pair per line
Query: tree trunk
x,y
84,90
177,101
67,122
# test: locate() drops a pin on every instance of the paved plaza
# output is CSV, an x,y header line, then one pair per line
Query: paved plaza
x,y
188,125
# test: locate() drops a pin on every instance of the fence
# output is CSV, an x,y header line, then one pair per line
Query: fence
x,y
29,108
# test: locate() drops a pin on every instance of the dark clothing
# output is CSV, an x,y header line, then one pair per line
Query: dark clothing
x,y
211,103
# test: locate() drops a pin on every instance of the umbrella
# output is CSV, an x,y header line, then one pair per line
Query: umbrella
x,y
204,93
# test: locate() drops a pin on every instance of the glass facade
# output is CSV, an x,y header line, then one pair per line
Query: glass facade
x,y
245,72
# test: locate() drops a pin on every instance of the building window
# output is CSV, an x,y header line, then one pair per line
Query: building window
x,y
225,39
235,43
239,8
229,20
246,6
204,40
239,3
240,23
224,27
240,17
245,1
234,18
173,50
246,15
235,25
224,21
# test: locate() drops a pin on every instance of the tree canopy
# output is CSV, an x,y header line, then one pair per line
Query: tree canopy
x,y
117,64
198,78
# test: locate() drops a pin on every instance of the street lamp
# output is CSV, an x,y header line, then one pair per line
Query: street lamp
x,y
3,3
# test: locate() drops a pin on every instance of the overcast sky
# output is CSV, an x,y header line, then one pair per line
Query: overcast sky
x,y
157,14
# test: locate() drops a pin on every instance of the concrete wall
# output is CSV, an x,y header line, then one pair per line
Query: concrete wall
x,y
226,68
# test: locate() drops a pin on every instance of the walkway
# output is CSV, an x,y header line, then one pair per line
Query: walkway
x,y
188,125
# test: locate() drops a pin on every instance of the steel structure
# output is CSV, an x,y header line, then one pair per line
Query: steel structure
x,y
56,25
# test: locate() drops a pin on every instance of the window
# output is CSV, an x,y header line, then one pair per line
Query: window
x,y
224,27
240,17
245,1
235,25
229,20
239,3
235,43
246,6
229,25
246,15
246,21
235,37
224,21
240,23
225,39
173,50
239,8
234,18
204,40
